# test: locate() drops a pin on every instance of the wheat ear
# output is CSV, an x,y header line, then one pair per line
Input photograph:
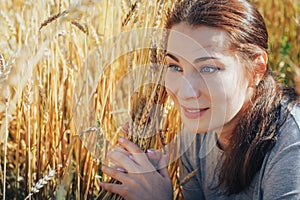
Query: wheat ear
x,y
9,23
80,27
41,183
129,14
4,68
52,18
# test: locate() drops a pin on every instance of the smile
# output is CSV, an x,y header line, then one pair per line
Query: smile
x,y
192,113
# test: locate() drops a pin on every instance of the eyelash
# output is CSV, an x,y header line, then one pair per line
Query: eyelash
x,y
214,68
176,68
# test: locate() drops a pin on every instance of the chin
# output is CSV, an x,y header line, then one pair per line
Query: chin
x,y
195,127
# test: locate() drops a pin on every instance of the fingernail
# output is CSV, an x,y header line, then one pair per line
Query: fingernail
x,y
121,169
131,157
121,140
150,151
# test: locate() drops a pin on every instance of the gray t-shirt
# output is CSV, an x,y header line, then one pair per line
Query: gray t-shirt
x,y
278,178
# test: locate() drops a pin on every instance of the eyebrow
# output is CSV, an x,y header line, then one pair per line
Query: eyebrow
x,y
202,59
173,57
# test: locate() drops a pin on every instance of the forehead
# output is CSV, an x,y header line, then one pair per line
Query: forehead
x,y
185,39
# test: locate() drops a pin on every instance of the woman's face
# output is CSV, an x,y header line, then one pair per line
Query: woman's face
x,y
205,79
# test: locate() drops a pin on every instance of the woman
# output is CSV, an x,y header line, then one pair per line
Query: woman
x,y
248,141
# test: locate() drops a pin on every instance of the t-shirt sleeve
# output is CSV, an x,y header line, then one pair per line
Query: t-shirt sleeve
x,y
282,175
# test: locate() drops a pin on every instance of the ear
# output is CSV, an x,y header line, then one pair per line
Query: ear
x,y
260,67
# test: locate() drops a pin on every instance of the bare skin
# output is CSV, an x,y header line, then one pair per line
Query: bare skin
x,y
139,178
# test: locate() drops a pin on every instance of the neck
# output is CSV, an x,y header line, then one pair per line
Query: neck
x,y
225,132
223,139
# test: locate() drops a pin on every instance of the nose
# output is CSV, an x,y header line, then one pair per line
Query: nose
x,y
190,88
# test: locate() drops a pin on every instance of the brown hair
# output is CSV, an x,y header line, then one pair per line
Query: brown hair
x,y
257,131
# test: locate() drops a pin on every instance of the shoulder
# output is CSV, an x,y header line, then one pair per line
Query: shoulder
x,y
282,164
289,132
295,114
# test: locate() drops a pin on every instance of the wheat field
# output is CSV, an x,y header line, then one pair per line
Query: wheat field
x,y
73,72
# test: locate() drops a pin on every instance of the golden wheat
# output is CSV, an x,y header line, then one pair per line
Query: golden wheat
x,y
74,62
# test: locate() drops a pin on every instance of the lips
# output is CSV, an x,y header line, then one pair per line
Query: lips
x,y
193,113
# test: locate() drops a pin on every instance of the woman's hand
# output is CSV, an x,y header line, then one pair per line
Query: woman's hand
x,y
137,172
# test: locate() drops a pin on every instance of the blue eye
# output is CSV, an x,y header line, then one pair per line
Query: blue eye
x,y
209,69
175,68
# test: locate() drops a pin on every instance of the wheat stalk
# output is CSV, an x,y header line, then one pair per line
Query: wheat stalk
x,y
41,183
5,148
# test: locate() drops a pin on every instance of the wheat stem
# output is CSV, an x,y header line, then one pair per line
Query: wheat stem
x,y
29,152
5,147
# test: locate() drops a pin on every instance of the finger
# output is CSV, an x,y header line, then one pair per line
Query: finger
x,y
124,151
123,160
138,155
129,146
120,169
154,156
111,187
114,166
163,165
116,174
121,150
120,189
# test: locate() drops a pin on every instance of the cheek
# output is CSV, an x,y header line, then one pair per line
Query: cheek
x,y
229,97
171,85
217,90
221,91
